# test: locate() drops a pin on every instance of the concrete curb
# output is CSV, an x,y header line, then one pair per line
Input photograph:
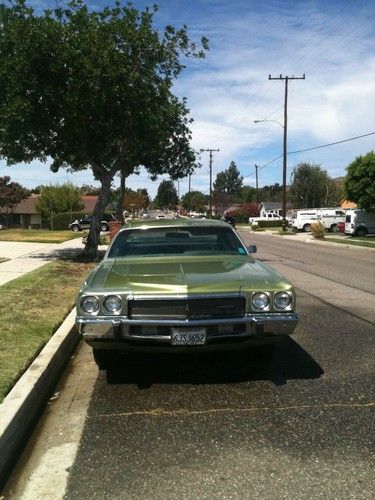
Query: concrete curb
x,y
22,407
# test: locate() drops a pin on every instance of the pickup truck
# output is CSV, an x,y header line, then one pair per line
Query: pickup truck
x,y
255,220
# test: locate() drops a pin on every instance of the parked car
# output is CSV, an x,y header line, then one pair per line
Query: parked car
x,y
229,219
189,285
84,223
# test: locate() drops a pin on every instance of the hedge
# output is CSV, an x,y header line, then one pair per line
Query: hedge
x,y
269,223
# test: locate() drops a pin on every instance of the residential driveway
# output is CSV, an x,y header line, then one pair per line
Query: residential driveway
x,y
26,257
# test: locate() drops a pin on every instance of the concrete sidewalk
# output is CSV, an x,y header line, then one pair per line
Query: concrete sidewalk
x,y
26,257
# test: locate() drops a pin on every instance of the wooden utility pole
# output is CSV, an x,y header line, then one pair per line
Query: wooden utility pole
x,y
286,80
210,151
256,182
189,194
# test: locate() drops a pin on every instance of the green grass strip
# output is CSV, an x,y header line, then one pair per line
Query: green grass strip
x,y
38,235
356,243
32,308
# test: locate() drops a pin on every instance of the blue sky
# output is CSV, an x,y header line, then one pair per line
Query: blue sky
x,y
333,43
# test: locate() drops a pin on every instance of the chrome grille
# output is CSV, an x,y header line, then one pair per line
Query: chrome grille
x,y
181,309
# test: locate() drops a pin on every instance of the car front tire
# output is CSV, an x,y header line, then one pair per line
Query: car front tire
x,y
104,227
307,228
361,232
75,228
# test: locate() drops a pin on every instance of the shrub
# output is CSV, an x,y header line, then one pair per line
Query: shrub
x,y
247,210
62,220
318,230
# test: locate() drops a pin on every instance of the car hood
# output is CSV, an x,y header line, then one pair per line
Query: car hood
x,y
186,275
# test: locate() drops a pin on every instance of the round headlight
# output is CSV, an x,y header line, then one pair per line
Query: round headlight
x,y
260,300
90,304
113,304
283,300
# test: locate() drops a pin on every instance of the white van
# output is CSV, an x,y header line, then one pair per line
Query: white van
x,y
329,217
359,222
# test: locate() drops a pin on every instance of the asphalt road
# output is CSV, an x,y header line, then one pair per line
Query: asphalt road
x,y
233,427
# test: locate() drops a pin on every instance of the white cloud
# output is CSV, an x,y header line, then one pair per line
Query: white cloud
x,y
333,43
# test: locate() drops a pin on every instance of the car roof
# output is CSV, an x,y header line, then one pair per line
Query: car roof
x,y
181,222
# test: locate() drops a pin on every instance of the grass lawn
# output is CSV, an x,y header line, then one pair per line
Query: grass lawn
x,y
359,242
32,307
38,235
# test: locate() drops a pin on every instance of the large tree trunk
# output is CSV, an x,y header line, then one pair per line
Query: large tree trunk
x,y
119,208
91,248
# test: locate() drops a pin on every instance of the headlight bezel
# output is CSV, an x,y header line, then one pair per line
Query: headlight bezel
x,y
266,307
84,310
289,307
109,312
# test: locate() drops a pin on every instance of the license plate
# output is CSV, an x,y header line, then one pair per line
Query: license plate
x,y
188,336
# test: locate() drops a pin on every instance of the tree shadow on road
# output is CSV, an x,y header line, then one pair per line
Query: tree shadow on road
x,y
289,361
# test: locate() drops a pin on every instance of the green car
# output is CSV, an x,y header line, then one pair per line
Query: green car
x,y
182,285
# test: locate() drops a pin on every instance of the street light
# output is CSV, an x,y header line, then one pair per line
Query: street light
x,y
267,120
283,203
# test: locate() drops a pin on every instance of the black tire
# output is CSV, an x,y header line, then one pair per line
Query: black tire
x,y
104,227
361,232
75,228
333,228
307,228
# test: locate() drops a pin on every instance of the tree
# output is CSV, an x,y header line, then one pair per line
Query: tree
x,y
312,187
196,201
360,181
221,202
167,195
271,193
230,181
93,90
11,193
58,199
248,194
135,200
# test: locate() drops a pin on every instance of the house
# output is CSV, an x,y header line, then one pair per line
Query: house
x,y
26,215
270,207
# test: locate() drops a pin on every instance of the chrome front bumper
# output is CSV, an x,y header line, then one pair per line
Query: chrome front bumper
x,y
252,325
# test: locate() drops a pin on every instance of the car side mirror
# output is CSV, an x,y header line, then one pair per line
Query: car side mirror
x,y
252,249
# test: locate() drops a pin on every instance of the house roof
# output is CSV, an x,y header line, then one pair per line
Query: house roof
x,y
271,204
348,204
27,206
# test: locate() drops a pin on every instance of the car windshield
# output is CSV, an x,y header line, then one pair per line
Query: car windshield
x,y
176,241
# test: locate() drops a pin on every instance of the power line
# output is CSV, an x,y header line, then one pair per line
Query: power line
x,y
331,143
310,149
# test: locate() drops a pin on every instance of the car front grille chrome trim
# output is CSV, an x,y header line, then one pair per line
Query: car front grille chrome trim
x,y
255,325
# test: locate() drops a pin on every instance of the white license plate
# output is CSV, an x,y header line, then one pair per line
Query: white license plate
x,y
188,336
